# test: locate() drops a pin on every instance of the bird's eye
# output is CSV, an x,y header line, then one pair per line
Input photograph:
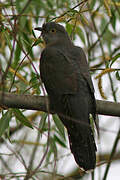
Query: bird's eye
x,y
53,30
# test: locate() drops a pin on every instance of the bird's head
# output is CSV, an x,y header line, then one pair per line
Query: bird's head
x,y
53,32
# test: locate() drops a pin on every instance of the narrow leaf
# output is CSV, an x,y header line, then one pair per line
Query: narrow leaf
x,y
4,122
53,146
59,125
69,28
34,82
80,34
113,19
17,55
117,76
42,121
33,34
114,59
59,141
19,115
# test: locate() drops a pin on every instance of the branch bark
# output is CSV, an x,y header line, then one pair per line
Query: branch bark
x,y
32,102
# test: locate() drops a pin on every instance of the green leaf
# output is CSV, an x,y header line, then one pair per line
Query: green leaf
x,y
113,19
92,123
48,155
117,76
53,146
80,34
69,28
114,59
42,121
26,40
50,3
59,125
33,34
59,141
103,24
17,55
34,82
4,122
19,115
8,40
28,44
33,78
92,4
18,8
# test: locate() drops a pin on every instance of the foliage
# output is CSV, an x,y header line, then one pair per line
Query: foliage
x,y
92,23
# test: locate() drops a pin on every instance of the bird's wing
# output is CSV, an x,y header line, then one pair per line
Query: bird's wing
x,y
83,65
84,68
58,72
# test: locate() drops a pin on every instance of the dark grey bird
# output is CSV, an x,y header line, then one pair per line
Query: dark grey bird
x,y
65,74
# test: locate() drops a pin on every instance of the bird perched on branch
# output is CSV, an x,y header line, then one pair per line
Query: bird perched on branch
x,y
65,74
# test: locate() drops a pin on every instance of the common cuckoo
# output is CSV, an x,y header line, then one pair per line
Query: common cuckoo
x,y
65,74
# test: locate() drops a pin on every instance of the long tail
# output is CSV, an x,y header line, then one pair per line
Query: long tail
x,y
83,147
74,113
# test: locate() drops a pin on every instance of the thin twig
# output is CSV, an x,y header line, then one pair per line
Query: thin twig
x,y
112,154
79,4
101,69
28,15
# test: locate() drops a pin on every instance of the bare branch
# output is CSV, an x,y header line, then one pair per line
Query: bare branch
x,y
30,102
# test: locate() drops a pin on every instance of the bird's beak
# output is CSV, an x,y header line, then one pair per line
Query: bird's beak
x,y
39,28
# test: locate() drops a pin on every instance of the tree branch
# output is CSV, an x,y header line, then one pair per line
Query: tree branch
x,y
30,102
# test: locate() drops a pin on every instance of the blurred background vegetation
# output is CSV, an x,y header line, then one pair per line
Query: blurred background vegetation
x,y
34,145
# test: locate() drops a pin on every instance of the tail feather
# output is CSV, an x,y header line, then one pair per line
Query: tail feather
x,y
74,113
83,148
